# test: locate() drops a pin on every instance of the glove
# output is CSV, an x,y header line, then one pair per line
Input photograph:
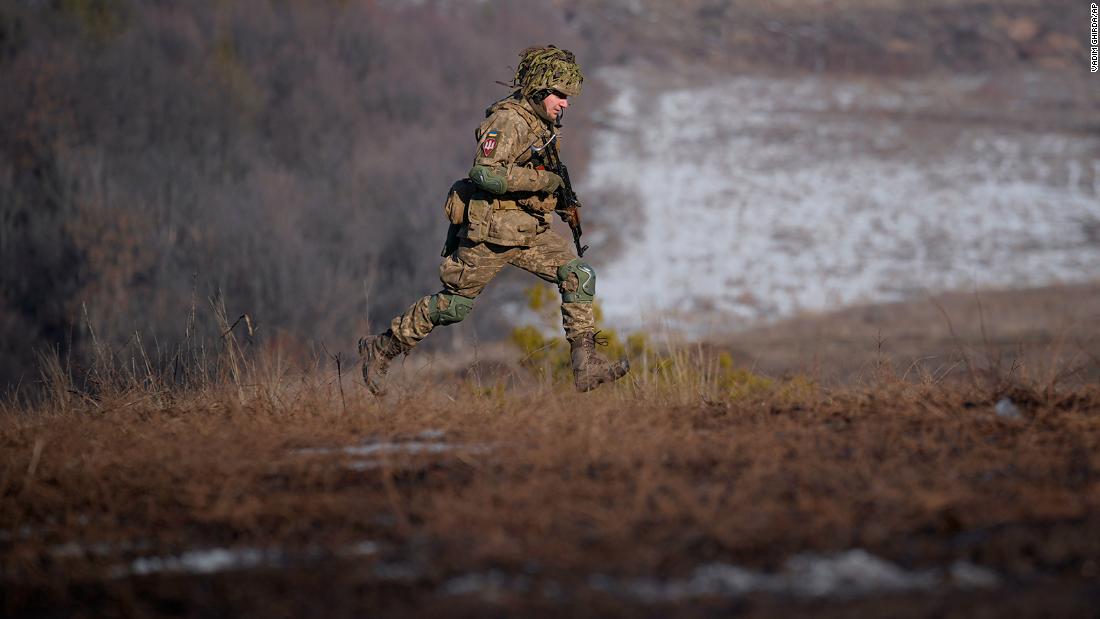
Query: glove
x,y
550,181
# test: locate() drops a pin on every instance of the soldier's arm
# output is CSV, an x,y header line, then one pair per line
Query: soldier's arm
x,y
498,149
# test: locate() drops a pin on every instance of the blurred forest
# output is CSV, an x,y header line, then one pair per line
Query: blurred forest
x,y
290,158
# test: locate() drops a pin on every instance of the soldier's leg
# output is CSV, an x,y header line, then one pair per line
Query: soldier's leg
x,y
551,257
546,258
464,275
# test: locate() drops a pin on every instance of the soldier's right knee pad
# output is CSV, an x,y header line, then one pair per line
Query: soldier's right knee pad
x,y
585,281
446,309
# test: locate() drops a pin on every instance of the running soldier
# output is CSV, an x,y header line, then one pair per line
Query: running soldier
x,y
501,215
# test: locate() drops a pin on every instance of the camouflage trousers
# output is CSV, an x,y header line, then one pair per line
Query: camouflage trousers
x,y
467,271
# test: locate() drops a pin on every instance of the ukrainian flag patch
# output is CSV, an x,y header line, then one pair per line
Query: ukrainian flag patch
x,y
489,142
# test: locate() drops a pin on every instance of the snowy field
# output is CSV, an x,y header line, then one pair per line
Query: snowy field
x,y
758,198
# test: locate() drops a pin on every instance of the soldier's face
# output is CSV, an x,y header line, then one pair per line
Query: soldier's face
x,y
555,103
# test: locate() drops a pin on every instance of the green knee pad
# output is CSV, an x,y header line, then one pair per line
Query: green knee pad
x,y
586,278
457,308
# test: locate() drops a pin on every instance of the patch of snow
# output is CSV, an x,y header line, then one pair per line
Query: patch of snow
x,y
853,573
409,447
371,449
215,560
208,561
363,465
401,572
23,532
96,549
966,575
426,442
491,584
27,531
360,549
762,198
1007,409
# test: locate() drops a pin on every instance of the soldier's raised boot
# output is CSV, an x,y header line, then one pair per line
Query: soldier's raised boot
x,y
377,351
590,368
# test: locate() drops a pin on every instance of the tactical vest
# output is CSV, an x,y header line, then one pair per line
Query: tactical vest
x,y
512,219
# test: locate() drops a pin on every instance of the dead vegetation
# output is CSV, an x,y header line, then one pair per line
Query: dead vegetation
x,y
237,476
1042,335
845,36
281,490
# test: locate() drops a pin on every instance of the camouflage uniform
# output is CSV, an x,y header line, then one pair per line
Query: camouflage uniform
x,y
512,228
505,219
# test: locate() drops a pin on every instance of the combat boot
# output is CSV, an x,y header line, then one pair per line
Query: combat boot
x,y
590,368
377,351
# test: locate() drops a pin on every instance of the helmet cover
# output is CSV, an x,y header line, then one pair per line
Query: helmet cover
x,y
548,68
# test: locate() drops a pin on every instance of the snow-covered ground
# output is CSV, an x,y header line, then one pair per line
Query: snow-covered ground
x,y
854,573
757,198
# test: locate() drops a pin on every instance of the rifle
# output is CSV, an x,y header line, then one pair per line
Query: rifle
x,y
568,204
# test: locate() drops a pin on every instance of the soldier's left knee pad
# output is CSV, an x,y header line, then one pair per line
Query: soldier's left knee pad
x,y
455,308
585,281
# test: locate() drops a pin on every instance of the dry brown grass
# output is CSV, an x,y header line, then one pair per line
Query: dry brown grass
x,y
1040,336
693,464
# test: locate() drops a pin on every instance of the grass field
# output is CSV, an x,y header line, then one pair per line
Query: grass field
x,y
700,487
938,457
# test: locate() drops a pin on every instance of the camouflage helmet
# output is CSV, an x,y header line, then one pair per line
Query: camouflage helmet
x,y
545,68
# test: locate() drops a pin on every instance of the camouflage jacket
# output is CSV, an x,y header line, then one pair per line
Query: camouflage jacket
x,y
509,209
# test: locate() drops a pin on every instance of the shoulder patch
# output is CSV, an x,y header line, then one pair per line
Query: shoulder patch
x,y
489,142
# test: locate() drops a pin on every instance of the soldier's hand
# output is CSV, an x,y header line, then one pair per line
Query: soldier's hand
x,y
569,215
550,181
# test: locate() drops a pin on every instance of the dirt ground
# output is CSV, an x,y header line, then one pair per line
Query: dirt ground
x,y
698,488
